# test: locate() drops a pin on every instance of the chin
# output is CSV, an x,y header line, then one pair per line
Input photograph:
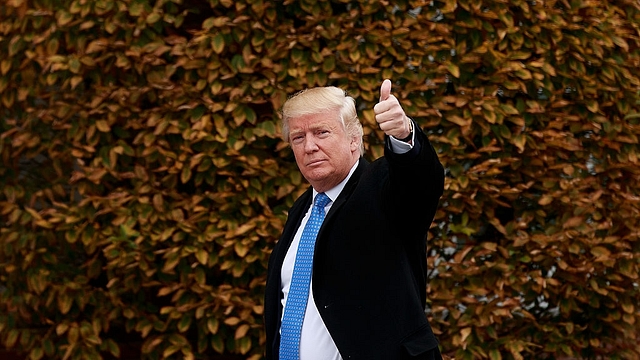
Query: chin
x,y
316,175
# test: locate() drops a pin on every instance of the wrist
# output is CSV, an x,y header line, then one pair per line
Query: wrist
x,y
410,136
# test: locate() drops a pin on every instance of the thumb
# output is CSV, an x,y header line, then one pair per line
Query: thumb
x,y
385,89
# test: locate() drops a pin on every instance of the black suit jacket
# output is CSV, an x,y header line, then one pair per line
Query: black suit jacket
x,y
369,270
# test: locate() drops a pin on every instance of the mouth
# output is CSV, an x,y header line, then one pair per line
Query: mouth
x,y
315,162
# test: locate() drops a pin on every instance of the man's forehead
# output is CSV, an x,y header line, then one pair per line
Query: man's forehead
x,y
324,122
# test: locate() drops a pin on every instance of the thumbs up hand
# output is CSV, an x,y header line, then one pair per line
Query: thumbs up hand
x,y
389,114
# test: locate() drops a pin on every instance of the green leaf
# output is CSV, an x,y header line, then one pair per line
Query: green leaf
x,y
621,42
185,175
208,23
592,105
172,261
453,69
212,325
250,115
48,347
494,354
11,339
170,350
217,43
217,344
73,334
184,323
36,353
74,65
202,256
200,276
153,18
600,251
136,8
63,17
64,303
112,347
244,345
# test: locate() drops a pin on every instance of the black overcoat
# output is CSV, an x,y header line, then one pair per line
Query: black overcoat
x,y
370,270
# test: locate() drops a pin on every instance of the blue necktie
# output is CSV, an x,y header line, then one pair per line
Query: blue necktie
x,y
296,306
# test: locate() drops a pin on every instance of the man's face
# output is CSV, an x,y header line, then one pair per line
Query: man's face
x,y
323,150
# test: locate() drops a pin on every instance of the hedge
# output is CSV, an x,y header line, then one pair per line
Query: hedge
x,y
144,180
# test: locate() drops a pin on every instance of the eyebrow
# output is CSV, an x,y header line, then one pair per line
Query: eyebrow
x,y
316,126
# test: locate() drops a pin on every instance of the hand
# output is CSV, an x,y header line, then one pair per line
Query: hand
x,y
389,114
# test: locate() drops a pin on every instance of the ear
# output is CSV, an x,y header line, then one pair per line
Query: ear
x,y
355,143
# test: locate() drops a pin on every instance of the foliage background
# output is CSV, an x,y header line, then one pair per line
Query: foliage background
x,y
144,181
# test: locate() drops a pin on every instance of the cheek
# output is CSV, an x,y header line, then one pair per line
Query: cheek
x,y
298,153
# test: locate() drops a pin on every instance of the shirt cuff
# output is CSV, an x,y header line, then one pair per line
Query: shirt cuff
x,y
401,147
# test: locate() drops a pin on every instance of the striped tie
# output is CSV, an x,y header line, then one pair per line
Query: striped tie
x,y
299,291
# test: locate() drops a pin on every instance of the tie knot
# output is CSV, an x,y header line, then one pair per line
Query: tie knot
x,y
321,200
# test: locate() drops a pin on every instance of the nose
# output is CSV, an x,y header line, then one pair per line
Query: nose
x,y
310,144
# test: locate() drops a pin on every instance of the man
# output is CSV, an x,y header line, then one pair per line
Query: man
x,y
367,288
